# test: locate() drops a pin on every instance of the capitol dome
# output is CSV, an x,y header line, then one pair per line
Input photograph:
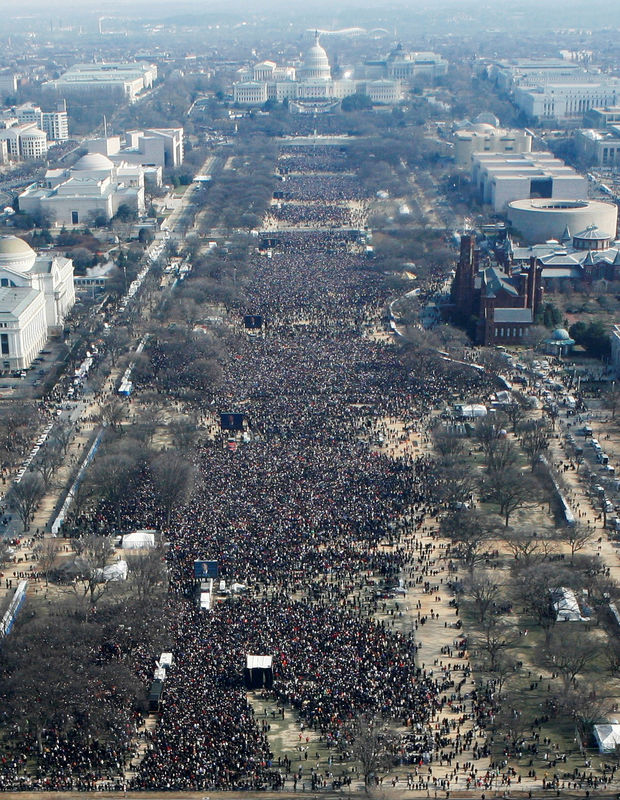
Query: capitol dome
x,y
16,254
316,62
94,162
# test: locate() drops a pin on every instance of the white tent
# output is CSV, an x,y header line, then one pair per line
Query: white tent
x,y
566,605
607,736
504,397
139,540
113,572
471,411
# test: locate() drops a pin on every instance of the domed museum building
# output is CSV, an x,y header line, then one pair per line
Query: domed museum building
x,y
36,294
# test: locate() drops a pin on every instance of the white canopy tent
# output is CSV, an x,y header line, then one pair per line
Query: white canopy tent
x,y
113,572
607,736
566,605
139,540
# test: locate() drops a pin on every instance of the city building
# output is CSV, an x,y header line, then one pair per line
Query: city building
x,y
127,80
55,124
600,147
24,141
36,294
93,187
8,83
253,93
404,65
8,119
486,137
599,118
565,101
503,302
155,147
309,87
498,179
540,220
586,256
508,73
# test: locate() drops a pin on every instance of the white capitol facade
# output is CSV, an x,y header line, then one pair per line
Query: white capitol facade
x,y
310,87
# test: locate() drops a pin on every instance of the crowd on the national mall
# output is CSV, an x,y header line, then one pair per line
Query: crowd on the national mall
x,y
303,513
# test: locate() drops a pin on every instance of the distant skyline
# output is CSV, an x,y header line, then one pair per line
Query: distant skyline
x,y
13,8
421,17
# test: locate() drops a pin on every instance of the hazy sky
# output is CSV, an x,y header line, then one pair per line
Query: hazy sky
x,y
24,7
543,14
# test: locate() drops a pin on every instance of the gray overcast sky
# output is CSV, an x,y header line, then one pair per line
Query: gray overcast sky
x,y
15,7
544,14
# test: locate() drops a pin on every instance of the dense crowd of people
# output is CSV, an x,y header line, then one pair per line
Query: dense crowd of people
x,y
304,188
303,512
297,514
310,215
302,160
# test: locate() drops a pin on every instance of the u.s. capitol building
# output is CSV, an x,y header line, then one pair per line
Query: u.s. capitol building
x,y
309,87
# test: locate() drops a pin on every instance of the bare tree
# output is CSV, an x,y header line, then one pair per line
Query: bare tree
x,y
117,342
17,421
587,705
82,494
611,653
449,445
468,530
111,477
49,459
483,591
63,434
611,398
45,552
501,670
173,478
595,579
149,419
515,413
533,586
577,537
513,721
569,653
5,551
94,552
456,482
147,572
26,496
534,439
184,434
113,414
501,456
511,490
486,434
528,548
373,746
